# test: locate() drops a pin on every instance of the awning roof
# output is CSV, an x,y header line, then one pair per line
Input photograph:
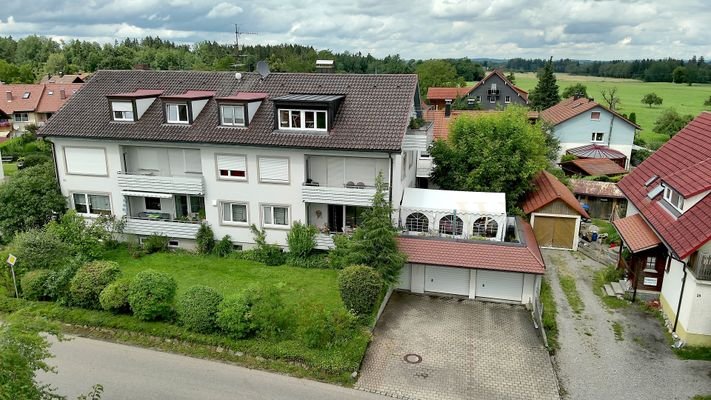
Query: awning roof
x,y
483,203
635,232
148,194
315,98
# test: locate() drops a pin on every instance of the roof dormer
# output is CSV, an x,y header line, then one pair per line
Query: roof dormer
x,y
306,112
185,108
130,107
238,109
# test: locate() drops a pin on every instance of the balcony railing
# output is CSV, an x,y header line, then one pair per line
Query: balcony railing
x,y
700,266
170,228
324,241
161,184
424,167
351,194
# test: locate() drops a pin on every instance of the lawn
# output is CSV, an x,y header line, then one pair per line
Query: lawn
x,y
685,99
9,168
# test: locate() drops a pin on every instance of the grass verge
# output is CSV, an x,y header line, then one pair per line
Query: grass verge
x,y
618,330
602,277
550,325
567,283
9,168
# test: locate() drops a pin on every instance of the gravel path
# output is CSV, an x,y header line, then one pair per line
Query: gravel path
x,y
592,364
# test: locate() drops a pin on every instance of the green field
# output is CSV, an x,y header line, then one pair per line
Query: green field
x,y
685,99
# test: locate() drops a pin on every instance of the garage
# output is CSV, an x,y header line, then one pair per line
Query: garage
x,y
499,285
558,232
447,280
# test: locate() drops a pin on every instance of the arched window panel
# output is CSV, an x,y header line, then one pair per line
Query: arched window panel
x,y
451,225
417,222
485,227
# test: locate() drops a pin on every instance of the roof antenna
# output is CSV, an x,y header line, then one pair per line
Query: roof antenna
x,y
238,34
263,68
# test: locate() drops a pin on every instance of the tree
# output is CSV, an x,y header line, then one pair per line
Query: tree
x,y
29,200
511,77
56,63
671,122
611,98
545,94
679,75
437,73
633,118
497,152
373,243
577,89
652,99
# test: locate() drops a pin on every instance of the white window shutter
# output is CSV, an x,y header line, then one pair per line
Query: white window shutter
x,y
275,170
231,162
85,161
122,106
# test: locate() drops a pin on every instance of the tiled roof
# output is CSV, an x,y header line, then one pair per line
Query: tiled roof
x,y
691,180
521,92
636,233
547,189
688,148
442,123
374,114
67,78
512,257
572,107
596,189
595,151
596,166
18,103
447,93
192,95
51,103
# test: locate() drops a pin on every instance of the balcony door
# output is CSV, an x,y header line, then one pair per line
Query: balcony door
x,y
335,218
189,207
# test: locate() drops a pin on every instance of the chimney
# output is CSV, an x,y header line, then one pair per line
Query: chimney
x,y
8,95
325,66
62,94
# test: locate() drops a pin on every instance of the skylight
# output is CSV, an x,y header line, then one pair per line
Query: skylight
x,y
26,95
655,192
650,180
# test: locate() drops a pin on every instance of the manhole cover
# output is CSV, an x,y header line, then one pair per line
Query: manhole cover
x,y
413,358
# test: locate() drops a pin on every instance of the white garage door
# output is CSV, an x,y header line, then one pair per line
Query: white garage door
x,y
499,285
447,280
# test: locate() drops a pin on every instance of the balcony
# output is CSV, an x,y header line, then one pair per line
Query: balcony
x,y
170,228
424,167
418,139
161,184
352,194
492,92
324,241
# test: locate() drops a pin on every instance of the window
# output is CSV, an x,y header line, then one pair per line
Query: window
x,y
595,115
275,215
234,213
451,225
492,99
21,117
354,216
493,86
674,198
232,115
122,110
273,169
92,204
232,167
507,99
598,137
26,95
302,119
470,101
176,113
485,227
650,264
478,99
417,222
85,161
152,203
173,243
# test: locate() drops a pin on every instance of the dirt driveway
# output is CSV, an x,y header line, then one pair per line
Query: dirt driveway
x,y
593,364
459,349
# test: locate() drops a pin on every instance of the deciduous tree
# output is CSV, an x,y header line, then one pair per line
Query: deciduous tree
x,y
437,73
577,89
652,99
611,97
671,122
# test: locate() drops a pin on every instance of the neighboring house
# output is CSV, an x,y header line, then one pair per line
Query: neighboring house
x,y
32,103
600,199
169,149
555,213
592,167
491,93
668,229
580,124
463,243
66,78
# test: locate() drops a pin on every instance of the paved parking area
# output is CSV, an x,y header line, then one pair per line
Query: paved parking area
x,y
469,350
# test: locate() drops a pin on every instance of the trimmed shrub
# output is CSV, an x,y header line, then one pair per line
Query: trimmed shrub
x,y
301,239
114,297
316,260
155,243
90,280
257,311
34,284
38,249
359,286
223,248
205,239
151,295
197,308
324,329
269,316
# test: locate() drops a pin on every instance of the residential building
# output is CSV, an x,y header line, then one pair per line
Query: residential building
x,y
587,129
602,200
66,78
26,104
668,229
493,92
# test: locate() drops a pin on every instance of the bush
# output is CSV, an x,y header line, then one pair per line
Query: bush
x,y
34,284
86,240
301,239
197,308
324,329
269,254
155,243
359,286
338,257
205,239
59,281
318,260
223,248
234,317
151,295
90,280
38,249
257,311
114,297
269,316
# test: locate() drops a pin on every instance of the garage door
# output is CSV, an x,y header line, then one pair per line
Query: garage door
x,y
499,285
556,232
447,280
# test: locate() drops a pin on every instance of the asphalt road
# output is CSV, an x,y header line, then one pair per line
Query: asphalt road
x,y
128,372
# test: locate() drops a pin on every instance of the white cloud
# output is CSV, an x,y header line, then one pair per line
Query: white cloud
x,y
224,10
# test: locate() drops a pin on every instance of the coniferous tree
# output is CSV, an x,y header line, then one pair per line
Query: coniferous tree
x,y
546,92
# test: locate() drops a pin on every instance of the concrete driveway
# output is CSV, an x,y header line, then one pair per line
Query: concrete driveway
x,y
468,350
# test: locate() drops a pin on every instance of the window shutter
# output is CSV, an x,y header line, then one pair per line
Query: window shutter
x,y
274,170
122,106
232,163
85,161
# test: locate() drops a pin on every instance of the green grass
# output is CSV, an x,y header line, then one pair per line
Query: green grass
x,y
701,397
694,353
567,283
607,275
685,99
550,325
618,330
9,168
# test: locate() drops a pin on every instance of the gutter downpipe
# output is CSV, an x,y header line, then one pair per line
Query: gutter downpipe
x,y
681,295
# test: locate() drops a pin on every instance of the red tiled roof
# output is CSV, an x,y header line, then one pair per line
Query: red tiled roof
x,y
596,189
191,95
688,148
595,151
442,123
636,233
479,255
245,96
597,166
572,107
447,93
547,189
67,78
18,103
692,180
51,103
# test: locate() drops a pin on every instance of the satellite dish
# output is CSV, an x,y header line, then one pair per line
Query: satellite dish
x,y
263,68
238,76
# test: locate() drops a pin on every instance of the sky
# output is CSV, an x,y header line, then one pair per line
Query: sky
x,y
581,29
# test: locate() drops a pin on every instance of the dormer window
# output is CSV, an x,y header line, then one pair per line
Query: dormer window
x,y
232,115
122,110
130,107
306,112
176,113
238,109
184,108
674,198
303,119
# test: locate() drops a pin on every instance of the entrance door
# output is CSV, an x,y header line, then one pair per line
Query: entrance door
x,y
335,218
558,232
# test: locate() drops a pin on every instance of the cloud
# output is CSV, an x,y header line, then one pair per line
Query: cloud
x,y
224,10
